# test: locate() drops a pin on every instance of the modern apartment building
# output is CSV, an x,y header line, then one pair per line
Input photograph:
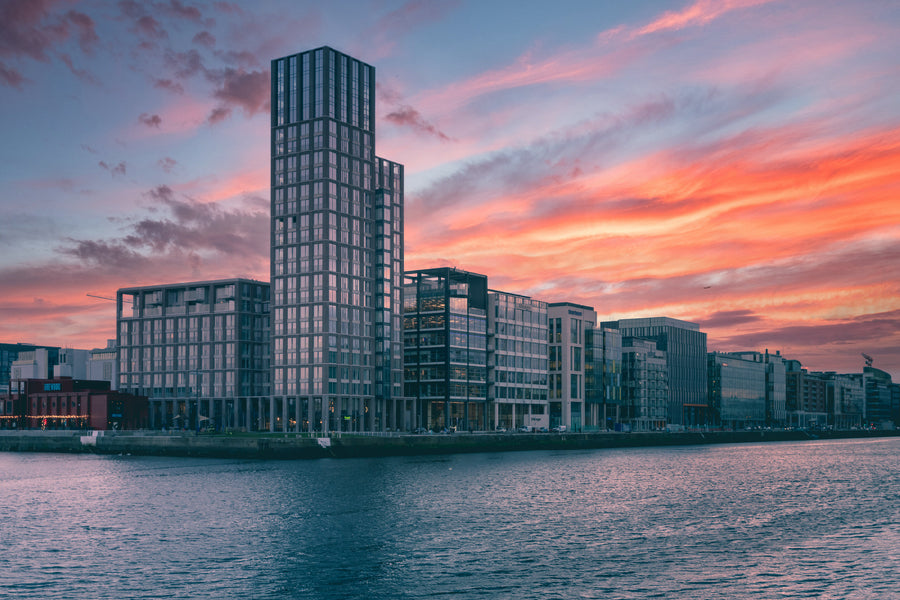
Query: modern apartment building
x,y
199,351
336,250
517,361
685,348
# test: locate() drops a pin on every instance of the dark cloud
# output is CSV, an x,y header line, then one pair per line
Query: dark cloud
x,y
34,29
150,120
88,148
248,91
218,115
205,38
180,238
228,7
873,328
407,116
729,318
84,29
114,170
168,84
10,76
179,10
185,64
79,73
150,29
167,164
101,253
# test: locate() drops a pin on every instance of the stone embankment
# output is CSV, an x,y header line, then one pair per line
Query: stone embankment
x,y
302,446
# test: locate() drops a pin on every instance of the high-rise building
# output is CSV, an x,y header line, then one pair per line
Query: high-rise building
x,y
336,249
685,348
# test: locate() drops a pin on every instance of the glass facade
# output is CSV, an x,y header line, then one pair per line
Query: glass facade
x,y
645,389
685,348
517,361
445,339
737,391
603,379
336,250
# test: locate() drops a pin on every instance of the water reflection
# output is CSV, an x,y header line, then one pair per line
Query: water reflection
x,y
741,521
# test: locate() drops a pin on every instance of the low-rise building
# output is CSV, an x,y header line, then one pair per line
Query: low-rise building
x,y
65,403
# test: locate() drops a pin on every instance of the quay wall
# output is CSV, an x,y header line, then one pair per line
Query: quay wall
x,y
294,446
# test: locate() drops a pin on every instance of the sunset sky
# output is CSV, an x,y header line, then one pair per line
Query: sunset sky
x,y
735,163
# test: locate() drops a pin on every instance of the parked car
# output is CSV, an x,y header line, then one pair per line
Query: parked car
x,y
526,429
559,429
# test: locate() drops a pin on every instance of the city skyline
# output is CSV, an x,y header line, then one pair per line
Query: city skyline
x,y
730,163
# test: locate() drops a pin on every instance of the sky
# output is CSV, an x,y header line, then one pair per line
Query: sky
x,y
734,163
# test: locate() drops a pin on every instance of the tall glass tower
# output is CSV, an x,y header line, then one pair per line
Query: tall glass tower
x,y
336,250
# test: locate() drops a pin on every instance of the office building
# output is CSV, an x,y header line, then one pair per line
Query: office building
x,y
199,351
517,361
737,390
685,348
568,326
336,250
603,379
445,339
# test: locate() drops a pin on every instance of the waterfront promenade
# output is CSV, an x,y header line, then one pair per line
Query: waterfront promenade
x,y
303,446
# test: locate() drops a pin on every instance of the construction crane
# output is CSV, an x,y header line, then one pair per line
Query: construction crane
x,y
868,358
106,298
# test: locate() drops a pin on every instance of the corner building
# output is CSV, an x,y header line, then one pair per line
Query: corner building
x,y
336,250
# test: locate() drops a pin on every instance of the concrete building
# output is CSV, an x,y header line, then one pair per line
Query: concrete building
x,y
445,338
567,333
737,390
73,363
645,387
517,361
336,250
34,364
102,365
9,353
199,351
685,348
806,399
605,408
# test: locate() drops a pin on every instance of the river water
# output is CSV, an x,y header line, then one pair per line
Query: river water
x,y
818,519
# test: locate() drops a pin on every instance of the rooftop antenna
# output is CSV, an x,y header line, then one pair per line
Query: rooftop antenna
x,y
868,358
